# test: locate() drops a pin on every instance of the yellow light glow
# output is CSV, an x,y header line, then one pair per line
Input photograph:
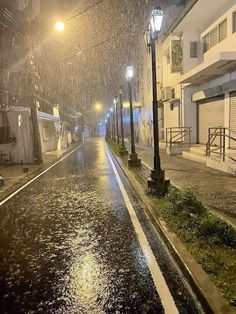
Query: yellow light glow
x,y
98,107
59,26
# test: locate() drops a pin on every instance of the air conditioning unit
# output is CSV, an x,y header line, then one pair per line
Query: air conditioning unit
x,y
168,93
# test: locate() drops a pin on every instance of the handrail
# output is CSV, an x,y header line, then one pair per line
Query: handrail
x,y
220,134
177,135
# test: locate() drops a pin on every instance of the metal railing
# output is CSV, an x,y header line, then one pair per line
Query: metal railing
x,y
178,136
219,139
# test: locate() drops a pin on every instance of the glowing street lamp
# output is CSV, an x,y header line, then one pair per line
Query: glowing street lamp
x,y
59,26
133,160
98,107
157,180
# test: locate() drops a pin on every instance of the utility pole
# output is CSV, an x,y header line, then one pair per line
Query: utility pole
x,y
37,149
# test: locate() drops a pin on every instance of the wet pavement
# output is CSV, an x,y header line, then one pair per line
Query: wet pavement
x,y
215,189
68,245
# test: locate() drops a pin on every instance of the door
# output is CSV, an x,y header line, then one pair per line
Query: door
x,y
210,115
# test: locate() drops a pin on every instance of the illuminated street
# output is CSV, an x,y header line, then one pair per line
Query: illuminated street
x,y
68,245
117,156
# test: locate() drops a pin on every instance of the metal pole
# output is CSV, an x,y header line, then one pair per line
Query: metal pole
x,y
117,123
157,160
121,121
131,119
113,127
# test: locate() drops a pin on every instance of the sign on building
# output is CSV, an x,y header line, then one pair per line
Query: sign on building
x,y
176,56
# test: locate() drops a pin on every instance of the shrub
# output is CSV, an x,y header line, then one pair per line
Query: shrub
x,y
185,200
217,228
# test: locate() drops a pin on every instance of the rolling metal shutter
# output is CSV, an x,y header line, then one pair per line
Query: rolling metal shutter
x,y
210,115
232,124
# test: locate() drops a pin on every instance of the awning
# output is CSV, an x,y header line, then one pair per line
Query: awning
x,y
219,65
48,117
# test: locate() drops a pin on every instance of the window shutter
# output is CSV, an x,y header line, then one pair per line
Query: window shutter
x,y
234,22
223,30
206,43
214,36
193,49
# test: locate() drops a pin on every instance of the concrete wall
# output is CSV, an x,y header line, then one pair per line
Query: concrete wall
x,y
22,151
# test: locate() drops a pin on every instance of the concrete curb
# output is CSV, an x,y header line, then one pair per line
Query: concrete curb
x,y
200,282
33,174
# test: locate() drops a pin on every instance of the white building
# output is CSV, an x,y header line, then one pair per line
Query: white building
x,y
197,78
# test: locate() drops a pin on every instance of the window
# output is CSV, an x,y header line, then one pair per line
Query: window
x,y
234,22
206,42
214,36
193,49
223,30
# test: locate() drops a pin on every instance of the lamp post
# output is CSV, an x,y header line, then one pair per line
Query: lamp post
x,y
108,119
117,121
113,135
157,180
133,160
123,150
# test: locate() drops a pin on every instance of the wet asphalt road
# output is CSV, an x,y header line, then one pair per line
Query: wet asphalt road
x,y
67,245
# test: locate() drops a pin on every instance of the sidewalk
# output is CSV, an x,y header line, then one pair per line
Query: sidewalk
x,y
14,176
216,189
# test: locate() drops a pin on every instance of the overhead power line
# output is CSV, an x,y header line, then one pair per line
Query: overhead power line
x,y
85,10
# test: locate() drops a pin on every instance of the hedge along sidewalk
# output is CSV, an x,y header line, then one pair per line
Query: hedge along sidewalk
x,y
197,276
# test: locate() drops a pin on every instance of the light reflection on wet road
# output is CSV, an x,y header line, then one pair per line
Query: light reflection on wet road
x,y
67,245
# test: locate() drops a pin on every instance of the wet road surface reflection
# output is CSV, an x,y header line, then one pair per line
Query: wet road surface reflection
x,y
67,245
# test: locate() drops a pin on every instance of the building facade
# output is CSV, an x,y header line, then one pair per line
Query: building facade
x,y
196,62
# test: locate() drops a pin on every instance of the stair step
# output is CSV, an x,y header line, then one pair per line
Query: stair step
x,y
195,157
201,151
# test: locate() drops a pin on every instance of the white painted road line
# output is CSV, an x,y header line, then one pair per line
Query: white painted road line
x,y
39,175
159,281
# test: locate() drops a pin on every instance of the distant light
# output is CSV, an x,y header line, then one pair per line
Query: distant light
x,y
59,26
129,72
115,100
106,121
108,115
98,107
111,109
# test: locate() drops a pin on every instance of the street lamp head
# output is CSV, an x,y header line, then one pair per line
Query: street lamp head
x,y
115,100
59,26
156,20
129,72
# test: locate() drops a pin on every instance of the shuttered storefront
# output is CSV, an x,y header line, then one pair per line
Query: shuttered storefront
x,y
232,120
210,115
